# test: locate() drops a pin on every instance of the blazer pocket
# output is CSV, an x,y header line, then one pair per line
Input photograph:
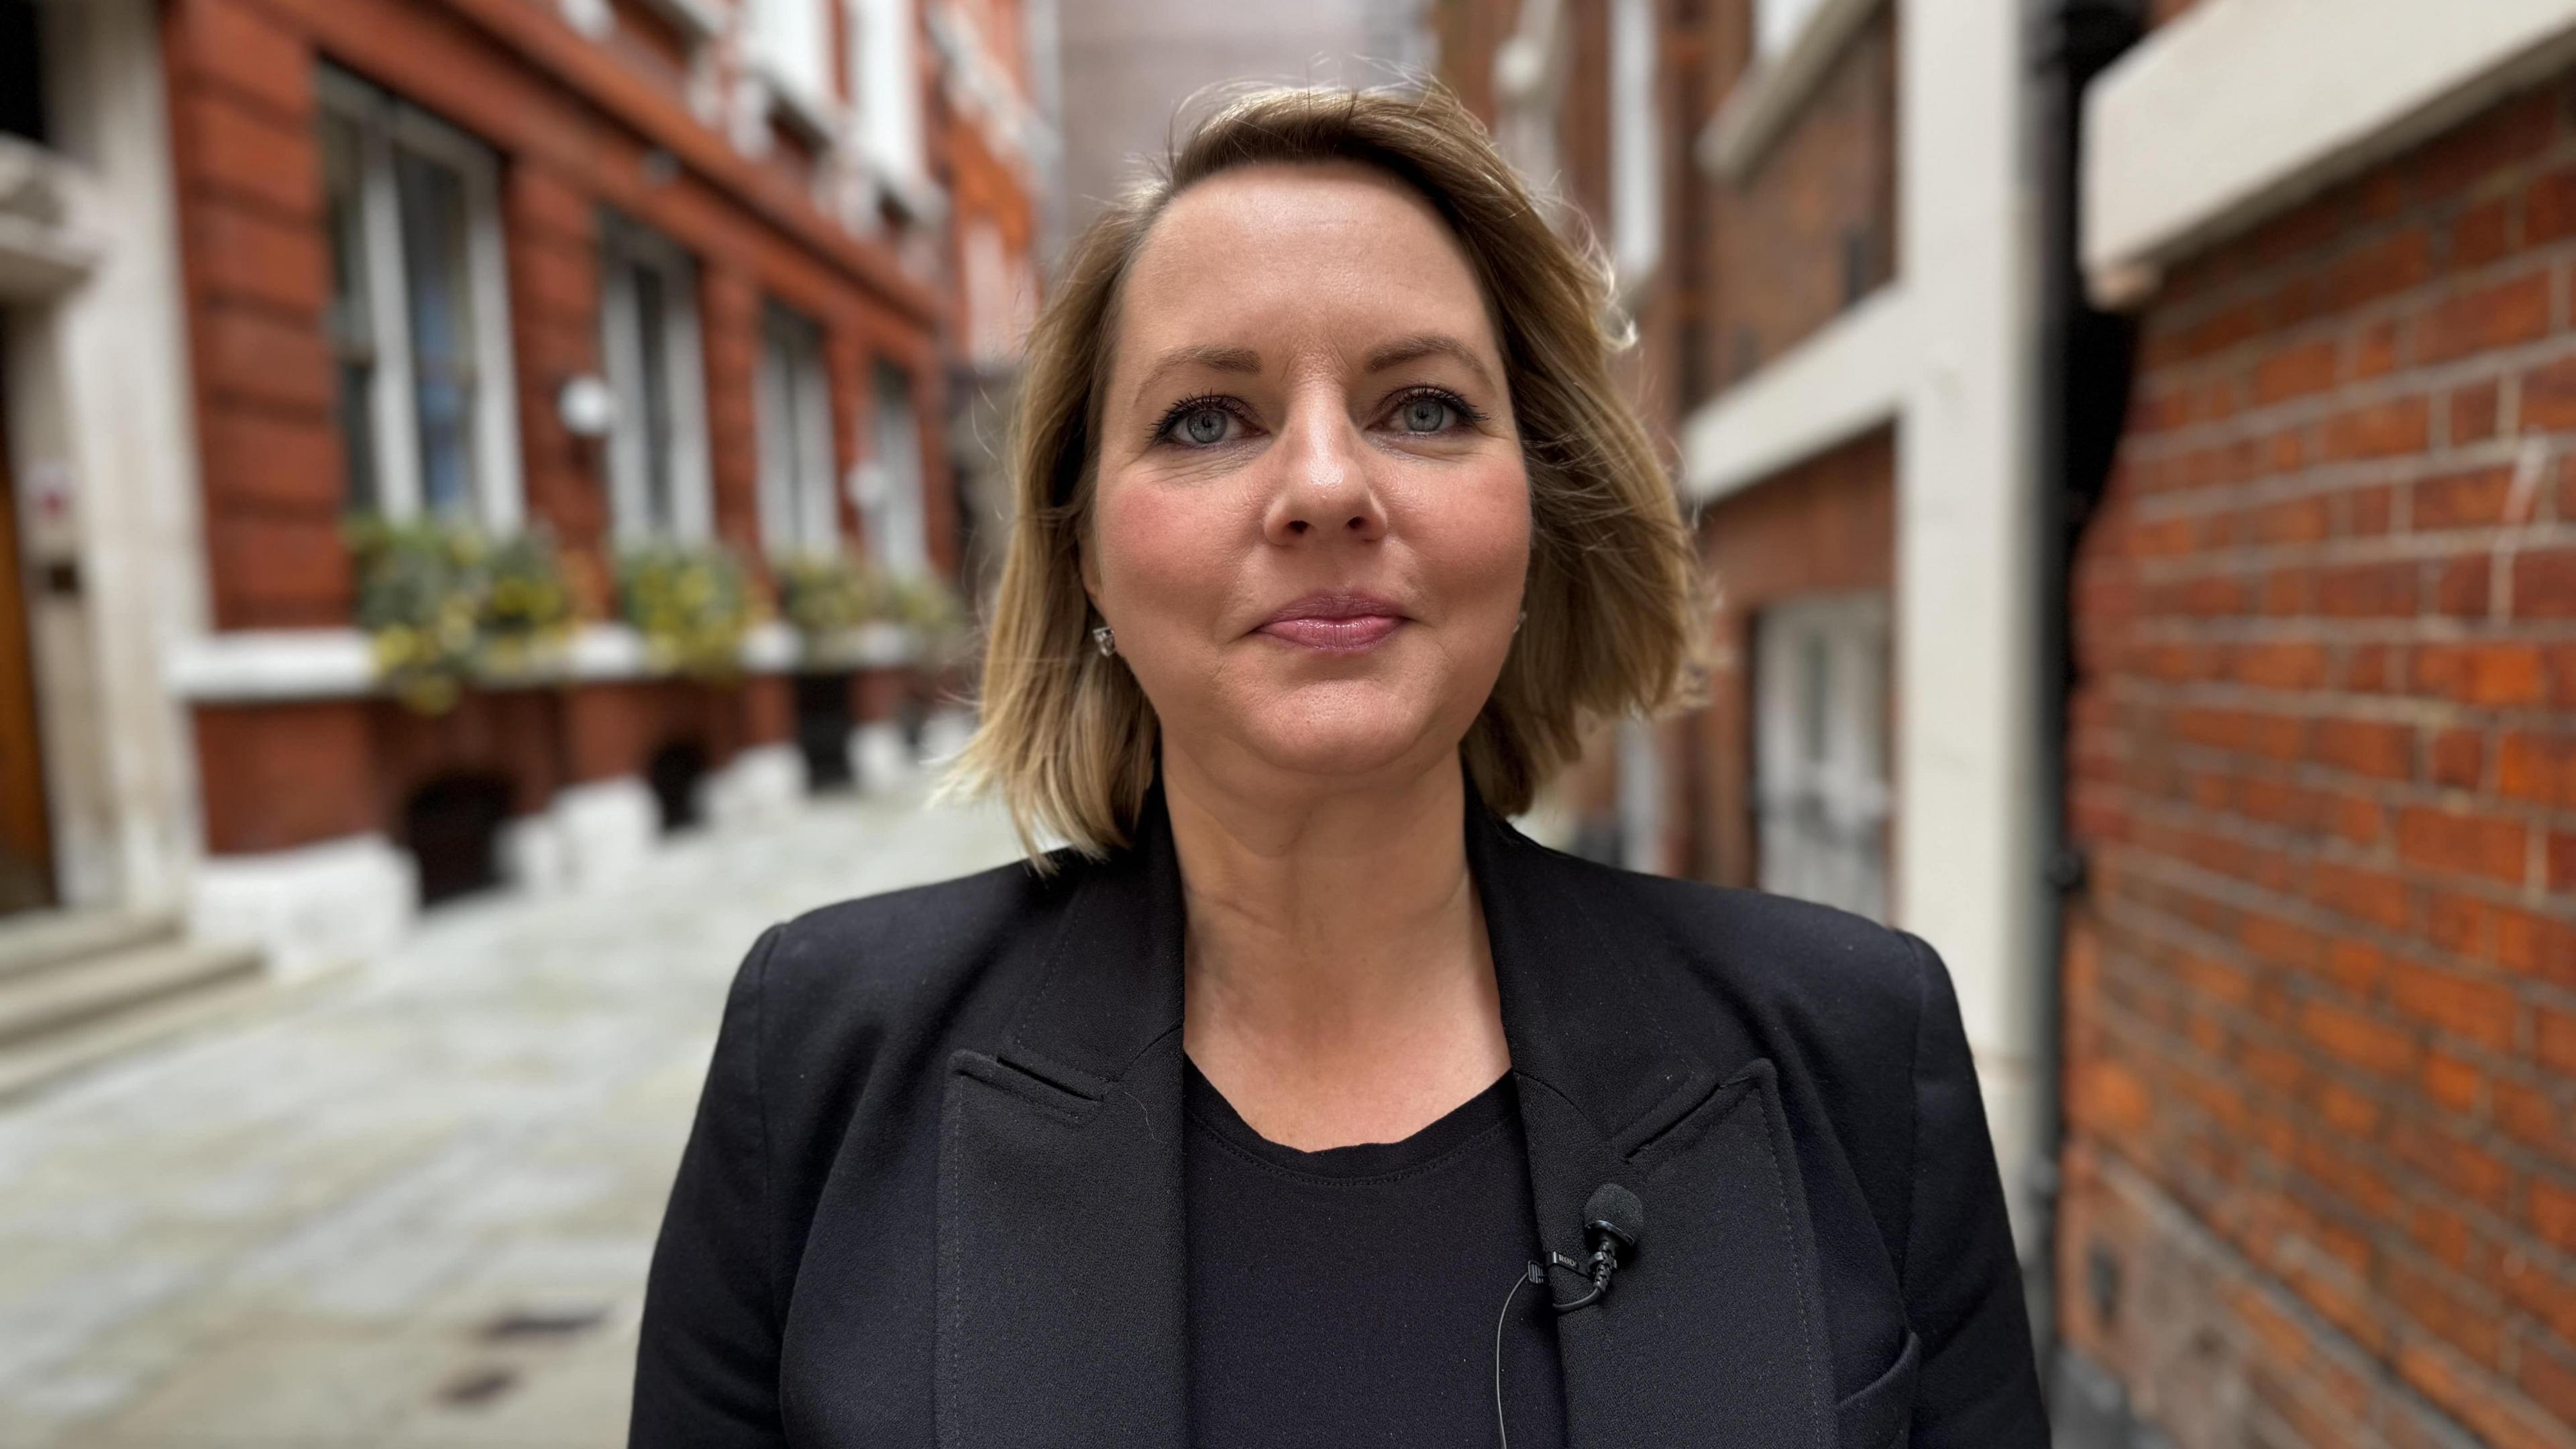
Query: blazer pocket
x,y
1878,1417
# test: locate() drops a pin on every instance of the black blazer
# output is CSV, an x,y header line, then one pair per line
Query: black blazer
x,y
933,1194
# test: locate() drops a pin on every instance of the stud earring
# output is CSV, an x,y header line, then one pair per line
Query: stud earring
x,y
1104,641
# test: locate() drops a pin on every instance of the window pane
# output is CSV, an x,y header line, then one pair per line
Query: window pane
x,y
653,377
351,326
440,291
895,525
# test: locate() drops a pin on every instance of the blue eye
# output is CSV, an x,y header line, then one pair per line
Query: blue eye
x,y
1204,426
1425,414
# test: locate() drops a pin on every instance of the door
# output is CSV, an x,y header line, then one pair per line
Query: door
x,y
26,843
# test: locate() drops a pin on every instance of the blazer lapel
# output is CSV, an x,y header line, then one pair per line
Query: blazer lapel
x,y
1062,1257
1714,1335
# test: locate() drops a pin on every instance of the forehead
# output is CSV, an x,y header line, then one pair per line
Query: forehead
x,y
1293,258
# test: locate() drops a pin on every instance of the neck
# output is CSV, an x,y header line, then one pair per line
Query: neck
x,y
1338,984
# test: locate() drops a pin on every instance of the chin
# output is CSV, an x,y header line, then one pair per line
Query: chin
x,y
1338,737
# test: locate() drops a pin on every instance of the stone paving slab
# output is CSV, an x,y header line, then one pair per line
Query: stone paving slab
x,y
414,1209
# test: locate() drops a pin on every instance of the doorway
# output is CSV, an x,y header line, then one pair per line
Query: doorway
x,y
26,836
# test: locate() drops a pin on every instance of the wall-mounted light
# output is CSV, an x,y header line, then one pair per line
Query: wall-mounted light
x,y
588,406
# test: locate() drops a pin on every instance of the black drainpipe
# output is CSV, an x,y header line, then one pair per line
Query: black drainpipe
x,y
2082,369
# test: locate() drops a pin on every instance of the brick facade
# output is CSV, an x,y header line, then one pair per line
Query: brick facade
x,y
1811,228
1826,525
577,124
2321,986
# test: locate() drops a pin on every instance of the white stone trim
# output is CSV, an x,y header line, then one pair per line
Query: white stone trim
x,y
1761,105
309,910
2238,109
286,664
604,829
758,786
1841,382
880,757
1966,636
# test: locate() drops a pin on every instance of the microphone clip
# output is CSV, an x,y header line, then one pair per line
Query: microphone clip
x,y
1617,1220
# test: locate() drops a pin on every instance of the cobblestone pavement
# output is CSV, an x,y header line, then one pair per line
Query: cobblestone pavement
x,y
415,1208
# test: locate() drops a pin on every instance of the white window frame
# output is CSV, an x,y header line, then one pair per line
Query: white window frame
x,y
626,245
890,486
1844,787
385,124
1636,144
885,80
1777,24
799,510
792,39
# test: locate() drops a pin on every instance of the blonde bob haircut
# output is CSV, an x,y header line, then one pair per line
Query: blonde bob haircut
x,y
1068,739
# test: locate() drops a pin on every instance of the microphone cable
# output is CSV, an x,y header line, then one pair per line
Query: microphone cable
x,y
1530,1274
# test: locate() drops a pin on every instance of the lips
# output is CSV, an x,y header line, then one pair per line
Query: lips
x,y
1335,623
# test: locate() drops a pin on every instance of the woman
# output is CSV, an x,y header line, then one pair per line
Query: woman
x,y
1240,1119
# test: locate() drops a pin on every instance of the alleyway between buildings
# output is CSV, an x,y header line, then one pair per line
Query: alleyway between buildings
x,y
413,1207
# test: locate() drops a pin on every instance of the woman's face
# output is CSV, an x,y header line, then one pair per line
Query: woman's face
x,y
1312,518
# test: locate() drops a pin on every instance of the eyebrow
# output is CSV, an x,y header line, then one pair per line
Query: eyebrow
x,y
1213,356
1428,344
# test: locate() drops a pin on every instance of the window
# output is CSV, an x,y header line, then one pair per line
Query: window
x,y
1776,23
419,316
1820,749
793,40
797,515
648,322
890,485
885,75
1636,157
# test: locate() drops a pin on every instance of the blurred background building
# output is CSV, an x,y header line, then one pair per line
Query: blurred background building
x,y
2133,444
685,288
2128,442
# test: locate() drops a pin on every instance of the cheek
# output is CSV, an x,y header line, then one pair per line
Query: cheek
x,y
1472,534
1161,553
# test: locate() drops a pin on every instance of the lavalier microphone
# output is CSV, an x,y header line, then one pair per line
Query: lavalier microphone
x,y
1613,1222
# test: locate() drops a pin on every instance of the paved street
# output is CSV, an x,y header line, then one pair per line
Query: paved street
x,y
414,1208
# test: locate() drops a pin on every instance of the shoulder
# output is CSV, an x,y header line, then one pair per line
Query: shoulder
x,y
1807,982
843,981
1793,954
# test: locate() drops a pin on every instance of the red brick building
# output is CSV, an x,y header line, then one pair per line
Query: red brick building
x,y
2277,1027
2321,999
1793,193
634,274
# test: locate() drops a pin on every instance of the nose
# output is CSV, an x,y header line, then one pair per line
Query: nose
x,y
1322,488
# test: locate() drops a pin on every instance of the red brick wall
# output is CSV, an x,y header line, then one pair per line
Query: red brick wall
x,y
563,116
2322,1005
1827,524
1812,229
572,124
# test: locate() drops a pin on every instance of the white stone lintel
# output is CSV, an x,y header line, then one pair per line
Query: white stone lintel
x,y
1846,379
2237,110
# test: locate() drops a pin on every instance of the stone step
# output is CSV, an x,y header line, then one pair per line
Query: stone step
x,y
35,1004
37,941
44,1060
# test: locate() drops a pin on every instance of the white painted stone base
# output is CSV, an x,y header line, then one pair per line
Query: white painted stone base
x,y
531,854
758,786
944,734
604,829
313,909
879,756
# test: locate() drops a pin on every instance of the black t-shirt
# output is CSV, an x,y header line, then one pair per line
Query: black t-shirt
x,y
1349,1296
